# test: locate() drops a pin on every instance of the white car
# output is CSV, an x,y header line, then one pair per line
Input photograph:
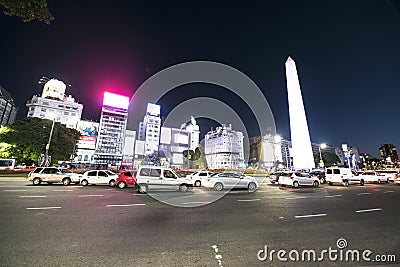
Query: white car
x,y
389,173
53,175
198,177
373,177
99,177
397,180
229,180
155,177
344,176
297,179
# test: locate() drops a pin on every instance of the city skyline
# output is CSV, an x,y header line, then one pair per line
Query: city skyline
x,y
346,56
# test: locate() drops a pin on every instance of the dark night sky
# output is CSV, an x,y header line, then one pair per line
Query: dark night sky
x,y
347,55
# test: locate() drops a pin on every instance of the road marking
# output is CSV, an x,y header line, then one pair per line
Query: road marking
x,y
65,190
248,200
388,192
363,194
377,209
310,215
125,205
32,196
334,196
281,217
109,189
15,190
90,195
198,202
294,197
44,208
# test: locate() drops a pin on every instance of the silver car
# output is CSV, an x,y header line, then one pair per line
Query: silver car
x,y
229,180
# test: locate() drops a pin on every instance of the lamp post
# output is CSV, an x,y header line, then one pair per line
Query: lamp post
x,y
321,161
46,155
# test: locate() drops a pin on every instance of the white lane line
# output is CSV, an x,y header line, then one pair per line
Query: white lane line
x,y
44,208
294,197
109,189
388,192
377,209
125,205
334,196
198,202
359,194
90,195
65,190
248,200
15,190
31,196
310,215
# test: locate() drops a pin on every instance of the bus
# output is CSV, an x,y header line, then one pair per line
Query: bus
x,y
7,164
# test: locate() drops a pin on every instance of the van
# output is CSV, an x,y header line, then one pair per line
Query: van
x,y
155,177
344,176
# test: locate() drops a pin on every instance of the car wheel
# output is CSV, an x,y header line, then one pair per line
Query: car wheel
x,y
218,186
252,187
330,183
387,180
346,183
197,183
379,181
272,182
295,184
84,182
112,183
361,182
66,181
316,183
121,185
183,188
143,188
36,181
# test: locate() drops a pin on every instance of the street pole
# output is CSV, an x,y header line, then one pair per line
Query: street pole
x,y
47,161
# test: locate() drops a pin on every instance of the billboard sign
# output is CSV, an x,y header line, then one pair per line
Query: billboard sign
x,y
114,100
89,132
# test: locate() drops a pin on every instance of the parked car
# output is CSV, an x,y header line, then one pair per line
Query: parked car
x,y
229,180
274,177
373,177
297,179
198,177
390,174
344,176
155,177
53,175
397,180
98,177
126,178
320,174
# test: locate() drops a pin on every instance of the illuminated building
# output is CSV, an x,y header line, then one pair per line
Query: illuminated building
x,y
300,136
111,137
54,104
149,129
223,148
8,109
388,153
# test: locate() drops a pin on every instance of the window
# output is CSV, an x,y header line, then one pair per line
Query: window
x,y
336,171
102,174
169,174
155,173
92,173
145,172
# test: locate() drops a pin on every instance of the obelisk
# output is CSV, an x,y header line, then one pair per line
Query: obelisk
x,y
301,144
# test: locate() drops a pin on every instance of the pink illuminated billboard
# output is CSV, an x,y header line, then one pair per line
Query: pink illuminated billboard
x,y
114,100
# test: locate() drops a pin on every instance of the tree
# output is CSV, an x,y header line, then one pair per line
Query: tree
x,y
26,139
329,159
28,10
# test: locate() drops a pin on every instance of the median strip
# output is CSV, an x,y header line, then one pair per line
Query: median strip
x,y
125,205
44,208
360,211
310,215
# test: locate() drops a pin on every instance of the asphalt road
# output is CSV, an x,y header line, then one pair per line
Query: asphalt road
x,y
56,225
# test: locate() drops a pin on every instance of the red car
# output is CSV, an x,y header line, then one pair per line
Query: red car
x,y
126,177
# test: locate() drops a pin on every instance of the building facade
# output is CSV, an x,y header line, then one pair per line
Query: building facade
x,y
112,127
55,105
388,153
150,128
8,109
223,148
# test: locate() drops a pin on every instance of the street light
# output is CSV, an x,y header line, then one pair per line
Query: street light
x,y
46,160
321,161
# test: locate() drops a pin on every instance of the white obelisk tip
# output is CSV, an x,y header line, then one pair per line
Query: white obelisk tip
x,y
289,59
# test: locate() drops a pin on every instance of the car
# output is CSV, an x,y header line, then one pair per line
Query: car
x,y
297,179
274,177
320,174
156,177
373,177
230,180
98,177
397,180
341,175
391,174
126,178
198,177
53,175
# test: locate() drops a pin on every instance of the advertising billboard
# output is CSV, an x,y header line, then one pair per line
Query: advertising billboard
x,y
114,100
89,132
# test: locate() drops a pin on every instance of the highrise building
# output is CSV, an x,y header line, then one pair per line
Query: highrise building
x,y
8,109
111,137
223,148
149,129
388,153
55,105
300,136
